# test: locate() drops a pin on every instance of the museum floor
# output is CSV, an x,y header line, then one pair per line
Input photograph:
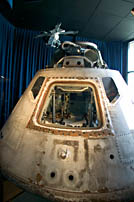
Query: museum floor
x,y
11,193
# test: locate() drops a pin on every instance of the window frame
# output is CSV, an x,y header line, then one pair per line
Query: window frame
x,y
130,70
102,132
116,98
37,86
83,83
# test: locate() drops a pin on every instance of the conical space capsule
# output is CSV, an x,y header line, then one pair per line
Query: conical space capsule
x,y
71,135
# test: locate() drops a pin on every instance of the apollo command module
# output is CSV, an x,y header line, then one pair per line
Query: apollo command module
x,y
71,135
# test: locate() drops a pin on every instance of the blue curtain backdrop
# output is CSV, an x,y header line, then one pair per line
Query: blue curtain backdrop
x,y
21,55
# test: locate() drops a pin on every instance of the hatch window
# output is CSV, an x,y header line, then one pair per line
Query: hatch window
x,y
37,86
110,89
71,106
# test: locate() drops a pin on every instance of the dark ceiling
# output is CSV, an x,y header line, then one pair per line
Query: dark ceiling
x,y
97,19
